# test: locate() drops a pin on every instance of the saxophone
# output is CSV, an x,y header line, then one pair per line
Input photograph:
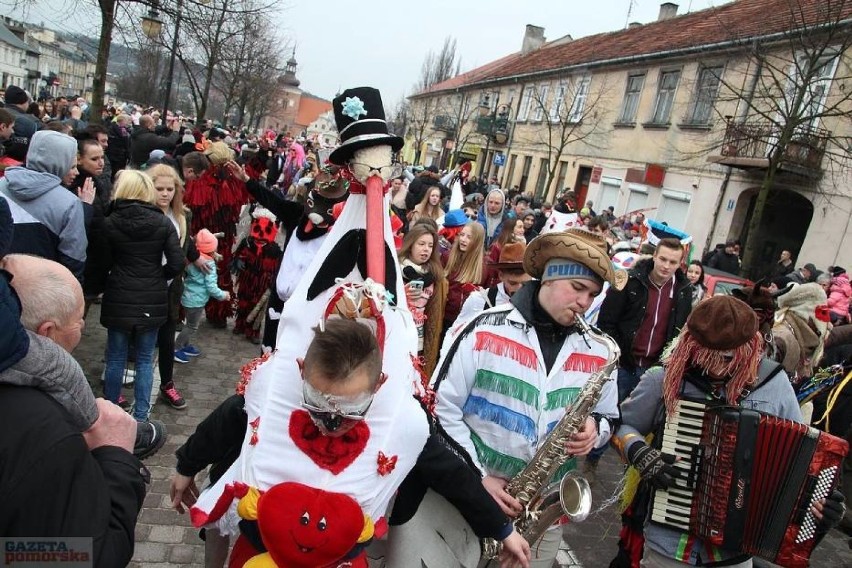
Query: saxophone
x,y
543,503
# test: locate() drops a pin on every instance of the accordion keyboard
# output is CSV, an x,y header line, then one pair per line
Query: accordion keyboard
x,y
681,438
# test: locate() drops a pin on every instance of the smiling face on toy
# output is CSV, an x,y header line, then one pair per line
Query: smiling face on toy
x,y
303,526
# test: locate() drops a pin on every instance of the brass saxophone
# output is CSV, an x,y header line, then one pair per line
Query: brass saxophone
x,y
543,503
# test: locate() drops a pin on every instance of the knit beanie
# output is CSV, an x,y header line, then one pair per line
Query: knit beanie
x,y
565,269
206,242
15,95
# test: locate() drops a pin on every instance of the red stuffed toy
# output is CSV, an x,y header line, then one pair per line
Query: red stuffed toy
x,y
303,527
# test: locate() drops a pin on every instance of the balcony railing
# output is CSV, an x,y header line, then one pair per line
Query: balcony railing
x,y
444,122
748,145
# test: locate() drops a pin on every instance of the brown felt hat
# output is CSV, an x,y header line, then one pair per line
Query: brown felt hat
x,y
511,257
722,323
577,245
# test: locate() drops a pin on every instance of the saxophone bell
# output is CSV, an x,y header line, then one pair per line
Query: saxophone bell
x,y
575,496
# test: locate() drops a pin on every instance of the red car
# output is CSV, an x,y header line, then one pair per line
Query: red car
x,y
718,282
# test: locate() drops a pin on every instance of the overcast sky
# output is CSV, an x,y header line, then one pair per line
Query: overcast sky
x,y
382,43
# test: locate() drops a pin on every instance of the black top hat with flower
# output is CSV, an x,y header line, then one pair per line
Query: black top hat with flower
x,y
360,118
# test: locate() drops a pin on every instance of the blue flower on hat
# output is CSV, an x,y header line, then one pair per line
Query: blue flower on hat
x,y
353,107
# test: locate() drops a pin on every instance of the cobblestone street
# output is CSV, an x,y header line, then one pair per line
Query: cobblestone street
x,y
165,539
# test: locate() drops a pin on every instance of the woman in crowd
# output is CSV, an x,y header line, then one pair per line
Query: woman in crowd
x,y
429,206
426,289
464,269
135,304
169,188
90,166
695,275
506,235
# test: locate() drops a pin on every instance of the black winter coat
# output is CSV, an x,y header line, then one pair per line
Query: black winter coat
x,y
52,485
143,141
95,215
118,149
729,263
622,311
136,236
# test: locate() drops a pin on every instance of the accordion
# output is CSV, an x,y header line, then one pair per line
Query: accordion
x,y
748,480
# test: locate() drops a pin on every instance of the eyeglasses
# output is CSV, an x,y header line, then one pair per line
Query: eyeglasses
x,y
396,168
330,411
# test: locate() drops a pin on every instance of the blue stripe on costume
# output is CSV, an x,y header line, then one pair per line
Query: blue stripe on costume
x,y
502,416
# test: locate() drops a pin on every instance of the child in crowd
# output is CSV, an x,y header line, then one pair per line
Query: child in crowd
x,y
198,289
425,288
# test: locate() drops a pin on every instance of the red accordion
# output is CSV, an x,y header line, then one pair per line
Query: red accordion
x,y
750,480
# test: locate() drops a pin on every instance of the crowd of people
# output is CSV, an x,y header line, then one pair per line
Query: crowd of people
x,y
166,223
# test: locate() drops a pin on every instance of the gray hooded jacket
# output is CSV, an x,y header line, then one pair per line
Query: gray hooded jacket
x,y
48,218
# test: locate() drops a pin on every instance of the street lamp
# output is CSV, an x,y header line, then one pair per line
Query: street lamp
x,y
152,25
494,124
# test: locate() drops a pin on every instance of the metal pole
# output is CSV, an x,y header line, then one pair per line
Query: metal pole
x,y
171,73
493,117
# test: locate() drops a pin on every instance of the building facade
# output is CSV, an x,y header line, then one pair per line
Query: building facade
x,y
685,118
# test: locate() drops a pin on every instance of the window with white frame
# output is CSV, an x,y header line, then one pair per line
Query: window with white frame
x,y
674,208
666,89
820,71
526,100
610,188
558,101
637,199
578,106
706,91
631,98
540,102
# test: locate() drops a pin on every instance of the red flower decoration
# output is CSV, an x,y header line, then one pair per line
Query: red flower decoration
x,y
332,454
386,464
254,425
248,369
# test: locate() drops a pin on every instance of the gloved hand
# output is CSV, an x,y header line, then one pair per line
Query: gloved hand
x,y
653,465
833,510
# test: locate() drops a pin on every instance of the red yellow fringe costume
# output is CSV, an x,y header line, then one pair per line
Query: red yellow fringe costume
x,y
215,199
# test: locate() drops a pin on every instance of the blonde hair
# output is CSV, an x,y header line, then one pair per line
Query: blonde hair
x,y
177,207
466,267
425,209
133,184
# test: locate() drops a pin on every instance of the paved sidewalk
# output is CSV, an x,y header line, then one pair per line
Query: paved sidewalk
x,y
165,539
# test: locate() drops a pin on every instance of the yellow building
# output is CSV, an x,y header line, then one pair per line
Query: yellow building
x,y
685,117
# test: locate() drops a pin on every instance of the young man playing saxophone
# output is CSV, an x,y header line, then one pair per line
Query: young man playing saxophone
x,y
506,377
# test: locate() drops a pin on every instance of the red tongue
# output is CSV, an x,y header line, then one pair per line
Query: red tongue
x,y
309,226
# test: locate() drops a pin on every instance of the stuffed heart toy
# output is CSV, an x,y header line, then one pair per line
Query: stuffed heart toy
x,y
305,527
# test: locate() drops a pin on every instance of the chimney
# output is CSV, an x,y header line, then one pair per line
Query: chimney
x,y
634,25
668,10
533,39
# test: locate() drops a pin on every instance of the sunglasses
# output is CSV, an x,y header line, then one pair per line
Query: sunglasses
x,y
331,412
470,215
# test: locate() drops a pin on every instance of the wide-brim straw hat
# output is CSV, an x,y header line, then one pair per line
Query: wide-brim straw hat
x,y
577,245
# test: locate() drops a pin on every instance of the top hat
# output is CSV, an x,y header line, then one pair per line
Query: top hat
x,y
360,119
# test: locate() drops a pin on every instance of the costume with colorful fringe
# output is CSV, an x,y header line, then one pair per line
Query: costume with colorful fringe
x,y
276,448
495,397
215,199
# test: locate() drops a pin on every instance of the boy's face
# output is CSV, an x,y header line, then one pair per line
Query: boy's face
x,y
6,131
336,406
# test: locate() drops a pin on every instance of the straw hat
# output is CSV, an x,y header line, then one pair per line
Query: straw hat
x,y
577,245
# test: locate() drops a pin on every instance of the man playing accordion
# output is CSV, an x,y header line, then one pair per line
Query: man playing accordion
x,y
716,359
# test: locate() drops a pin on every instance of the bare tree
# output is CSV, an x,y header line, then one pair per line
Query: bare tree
x,y
457,116
436,68
786,104
566,112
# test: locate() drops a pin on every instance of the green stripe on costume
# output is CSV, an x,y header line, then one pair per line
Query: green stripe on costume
x,y
507,386
560,398
494,460
682,546
568,466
